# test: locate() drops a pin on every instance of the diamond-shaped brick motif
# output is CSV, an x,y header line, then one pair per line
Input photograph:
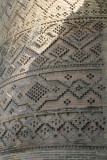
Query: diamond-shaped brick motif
x,y
67,102
91,101
96,49
68,77
41,40
24,59
9,137
101,87
79,56
102,121
55,88
57,30
56,122
41,60
51,84
79,34
80,121
37,92
93,130
15,126
99,25
33,123
79,88
59,51
44,131
25,134
90,76
69,131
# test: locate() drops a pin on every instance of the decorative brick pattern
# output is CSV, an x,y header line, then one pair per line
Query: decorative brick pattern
x,y
52,86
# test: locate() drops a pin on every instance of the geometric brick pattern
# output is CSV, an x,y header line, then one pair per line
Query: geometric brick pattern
x,y
52,89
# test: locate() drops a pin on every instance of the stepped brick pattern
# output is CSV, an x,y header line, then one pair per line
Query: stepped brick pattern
x,y
52,80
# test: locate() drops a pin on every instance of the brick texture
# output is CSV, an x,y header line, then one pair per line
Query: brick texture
x,y
80,154
53,103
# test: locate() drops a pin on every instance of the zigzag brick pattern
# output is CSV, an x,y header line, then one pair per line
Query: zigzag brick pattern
x,y
52,88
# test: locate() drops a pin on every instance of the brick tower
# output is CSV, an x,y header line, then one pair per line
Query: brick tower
x,y
53,80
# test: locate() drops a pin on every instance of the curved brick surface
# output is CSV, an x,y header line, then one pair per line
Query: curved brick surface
x,y
52,80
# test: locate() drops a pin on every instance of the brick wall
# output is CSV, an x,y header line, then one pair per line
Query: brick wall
x,y
81,154
53,80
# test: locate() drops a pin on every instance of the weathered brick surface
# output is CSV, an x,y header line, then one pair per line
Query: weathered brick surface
x,y
53,80
58,155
